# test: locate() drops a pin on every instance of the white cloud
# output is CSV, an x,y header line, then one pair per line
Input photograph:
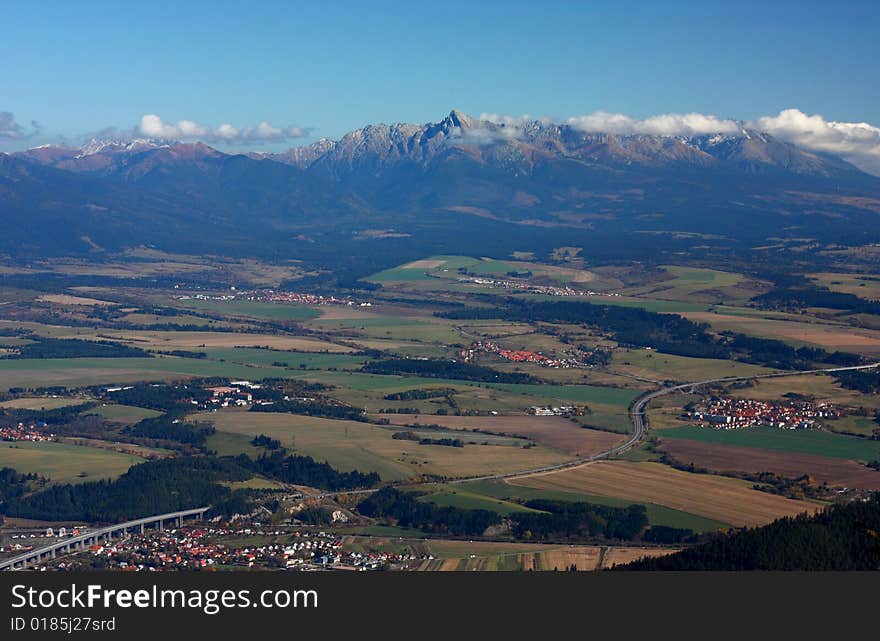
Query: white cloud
x,y
12,130
152,126
691,124
858,142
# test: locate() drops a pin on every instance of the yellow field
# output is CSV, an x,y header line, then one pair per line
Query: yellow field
x,y
834,337
425,263
537,557
861,285
452,555
654,365
174,340
553,431
348,445
65,463
42,403
66,299
723,499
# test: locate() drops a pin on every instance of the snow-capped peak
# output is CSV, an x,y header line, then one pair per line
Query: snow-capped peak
x,y
98,145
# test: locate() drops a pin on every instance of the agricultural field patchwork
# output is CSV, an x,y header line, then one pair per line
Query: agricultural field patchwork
x,y
350,445
727,500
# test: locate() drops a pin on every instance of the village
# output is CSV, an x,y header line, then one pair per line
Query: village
x,y
547,290
214,547
575,360
272,296
22,432
730,413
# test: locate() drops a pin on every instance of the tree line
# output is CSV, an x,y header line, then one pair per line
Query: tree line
x,y
553,520
304,470
841,538
433,368
168,429
864,381
667,333
420,394
74,348
323,408
172,484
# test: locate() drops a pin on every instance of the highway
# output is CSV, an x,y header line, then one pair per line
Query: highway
x,y
639,421
636,412
74,543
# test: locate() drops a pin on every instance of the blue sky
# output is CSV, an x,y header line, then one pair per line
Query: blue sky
x,y
80,67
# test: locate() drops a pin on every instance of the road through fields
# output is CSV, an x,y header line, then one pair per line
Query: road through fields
x,y
637,414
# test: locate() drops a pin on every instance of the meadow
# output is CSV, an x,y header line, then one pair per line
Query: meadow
x,y
726,458
123,413
349,445
654,365
252,309
65,463
798,441
553,431
657,514
719,498
831,336
290,359
42,403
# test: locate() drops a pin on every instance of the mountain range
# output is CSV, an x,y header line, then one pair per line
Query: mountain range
x,y
502,184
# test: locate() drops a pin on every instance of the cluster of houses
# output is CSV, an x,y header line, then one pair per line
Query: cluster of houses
x,y
22,432
226,395
299,298
547,290
729,413
271,296
517,355
203,548
562,410
235,394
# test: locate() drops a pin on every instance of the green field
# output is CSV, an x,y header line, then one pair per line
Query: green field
x,y
368,322
800,441
64,463
45,372
388,383
657,514
402,274
42,403
444,266
253,309
574,393
123,413
292,360
352,445
660,366
651,305
861,425
457,496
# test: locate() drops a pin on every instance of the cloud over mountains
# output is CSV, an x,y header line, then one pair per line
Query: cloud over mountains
x,y
857,142
12,130
152,126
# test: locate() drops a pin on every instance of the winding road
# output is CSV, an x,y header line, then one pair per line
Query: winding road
x,y
639,421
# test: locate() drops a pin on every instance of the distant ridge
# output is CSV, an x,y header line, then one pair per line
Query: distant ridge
x,y
553,180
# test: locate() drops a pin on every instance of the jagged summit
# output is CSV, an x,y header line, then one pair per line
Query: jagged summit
x,y
472,172
521,146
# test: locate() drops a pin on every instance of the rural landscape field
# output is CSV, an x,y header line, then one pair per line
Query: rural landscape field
x,y
448,413
484,287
